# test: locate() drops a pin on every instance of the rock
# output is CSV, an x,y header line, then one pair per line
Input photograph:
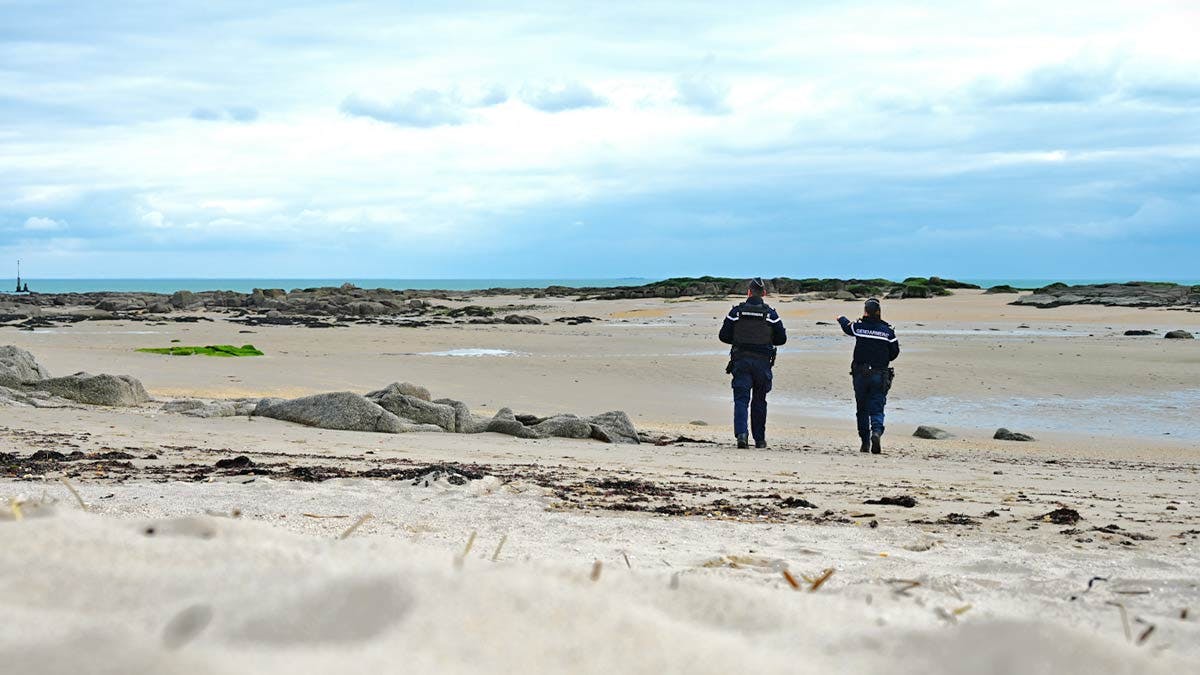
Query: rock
x,y
698,423
1132,294
1139,332
613,427
405,388
159,308
239,462
18,366
464,421
1179,335
523,319
114,390
121,304
564,426
506,423
932,433
1003,434
182,299
844,295
338,410
1060,516
419,411
1002,288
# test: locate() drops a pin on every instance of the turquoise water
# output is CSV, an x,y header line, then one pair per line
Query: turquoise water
x,y
246,285
1039,283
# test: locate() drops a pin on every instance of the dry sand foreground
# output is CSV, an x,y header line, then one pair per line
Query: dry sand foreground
x,y
574,567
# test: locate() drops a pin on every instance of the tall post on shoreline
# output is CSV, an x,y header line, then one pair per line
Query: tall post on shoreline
x,y
18,275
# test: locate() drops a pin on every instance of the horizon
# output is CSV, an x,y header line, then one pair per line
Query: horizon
x,y
990,140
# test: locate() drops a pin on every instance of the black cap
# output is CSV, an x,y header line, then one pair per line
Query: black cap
x,y
872,304
757,282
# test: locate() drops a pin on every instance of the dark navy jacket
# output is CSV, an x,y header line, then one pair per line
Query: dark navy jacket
x,y
875,344
778,332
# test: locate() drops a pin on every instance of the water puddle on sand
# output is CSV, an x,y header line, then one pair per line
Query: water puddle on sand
x,y
1157,415
474,352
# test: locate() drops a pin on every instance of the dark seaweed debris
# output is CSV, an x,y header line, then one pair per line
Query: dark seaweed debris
x,y
902,500
1060,516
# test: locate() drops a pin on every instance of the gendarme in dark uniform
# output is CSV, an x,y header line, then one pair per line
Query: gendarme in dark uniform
x,y
754,330
875,347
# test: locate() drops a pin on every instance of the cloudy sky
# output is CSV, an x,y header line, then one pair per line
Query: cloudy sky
x,y
561,139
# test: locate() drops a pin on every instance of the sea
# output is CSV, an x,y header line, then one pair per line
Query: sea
x,y
246,285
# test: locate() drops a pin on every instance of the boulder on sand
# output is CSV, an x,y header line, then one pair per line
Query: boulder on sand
x,y
18,366
932,433
505,422
1003,434
419,411
405,388
465,422
97,389
337,410
564,426
1179,335
613,427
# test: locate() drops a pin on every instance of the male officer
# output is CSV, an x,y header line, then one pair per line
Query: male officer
x,y
875,347
754,330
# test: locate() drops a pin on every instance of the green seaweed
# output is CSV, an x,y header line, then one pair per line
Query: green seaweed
x,y
210,350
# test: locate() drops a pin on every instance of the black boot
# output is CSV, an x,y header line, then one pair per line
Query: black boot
x,y
866,445
743,441
876,448
760,444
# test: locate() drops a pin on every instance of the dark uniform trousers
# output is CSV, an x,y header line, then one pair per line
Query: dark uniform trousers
x,y
870,394
751,383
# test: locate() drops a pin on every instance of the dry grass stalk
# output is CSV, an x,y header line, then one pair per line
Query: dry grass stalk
x,y
791,580
358,523
496,553
1124,619
961,610
820,581
903,586
626,556
470,545
73,492
1145,634
314,515
16,509
596,567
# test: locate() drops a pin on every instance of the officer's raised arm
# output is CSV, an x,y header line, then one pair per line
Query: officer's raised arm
x,y
846,325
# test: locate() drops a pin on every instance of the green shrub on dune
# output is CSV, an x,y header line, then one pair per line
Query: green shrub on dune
x,y
210,350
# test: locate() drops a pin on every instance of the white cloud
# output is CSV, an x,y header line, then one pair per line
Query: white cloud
x,y
41,224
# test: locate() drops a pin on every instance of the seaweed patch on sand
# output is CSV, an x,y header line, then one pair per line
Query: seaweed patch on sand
x,y
210,350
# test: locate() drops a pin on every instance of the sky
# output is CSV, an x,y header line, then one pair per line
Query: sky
x,y
578,139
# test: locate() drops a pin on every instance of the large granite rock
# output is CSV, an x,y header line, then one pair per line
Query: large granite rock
x,y
505,422
1179,335
18,366
337,410
419,411
613,427
114,390
405,388
564,426
182,299
465,422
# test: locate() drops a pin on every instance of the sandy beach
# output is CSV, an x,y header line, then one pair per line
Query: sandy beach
x,y
489,553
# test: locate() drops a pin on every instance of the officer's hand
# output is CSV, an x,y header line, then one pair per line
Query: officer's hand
x,y
841,319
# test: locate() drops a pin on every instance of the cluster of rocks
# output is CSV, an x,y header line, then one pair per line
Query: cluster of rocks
x,y
403,407
1133,294
936,434
23,381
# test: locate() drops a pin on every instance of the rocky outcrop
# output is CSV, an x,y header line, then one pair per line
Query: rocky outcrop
x,y
111,390
413,410
337,410
505,422
1179,335
18,366
564,426
1133,294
